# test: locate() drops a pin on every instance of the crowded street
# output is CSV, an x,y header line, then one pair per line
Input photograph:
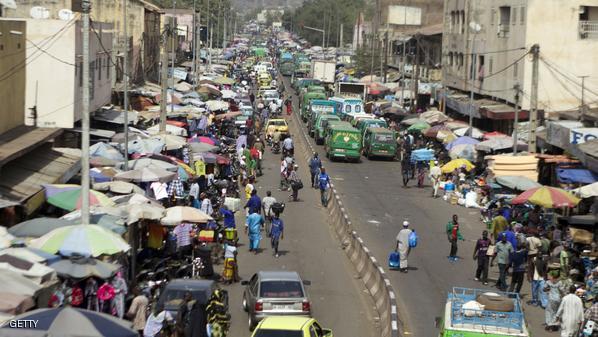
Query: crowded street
x,y
234,170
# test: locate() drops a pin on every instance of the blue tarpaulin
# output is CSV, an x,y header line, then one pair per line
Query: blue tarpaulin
x,y
576,176
422,155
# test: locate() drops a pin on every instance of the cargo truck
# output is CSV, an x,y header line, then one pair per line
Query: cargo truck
x,y
323,70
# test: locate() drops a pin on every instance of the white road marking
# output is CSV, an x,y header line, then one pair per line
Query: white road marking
x,y
374,222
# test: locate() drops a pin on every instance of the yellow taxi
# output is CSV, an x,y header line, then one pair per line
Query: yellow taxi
x,y
264,79
276,124
290,326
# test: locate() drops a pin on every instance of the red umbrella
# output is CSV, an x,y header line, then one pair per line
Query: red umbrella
x,y
202,139
489,135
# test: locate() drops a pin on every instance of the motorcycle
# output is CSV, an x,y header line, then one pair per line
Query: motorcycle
x,y
276,148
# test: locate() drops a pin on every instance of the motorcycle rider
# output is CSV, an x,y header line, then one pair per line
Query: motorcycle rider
x,y
288,148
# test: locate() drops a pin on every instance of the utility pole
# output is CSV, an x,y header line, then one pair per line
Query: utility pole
x,y
416,77
174,36
126,85
476,29
516,121
340,39
582,109
385,56
533,114
86,7
164,76
194,45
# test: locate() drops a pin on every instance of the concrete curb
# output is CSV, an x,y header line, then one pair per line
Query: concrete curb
x,y
367,267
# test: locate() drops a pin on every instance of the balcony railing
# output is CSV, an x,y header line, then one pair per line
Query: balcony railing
x,y
588,29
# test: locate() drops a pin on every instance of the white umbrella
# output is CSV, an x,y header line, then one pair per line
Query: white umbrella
x,y
146,175
5,238
172,142
202,147
475,133
466,151
146,146
587,191
498,143
175,130
144,211
145,162
120,187
178,214
135,199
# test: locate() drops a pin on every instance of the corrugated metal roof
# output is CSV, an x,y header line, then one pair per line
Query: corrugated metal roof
x,y
23,177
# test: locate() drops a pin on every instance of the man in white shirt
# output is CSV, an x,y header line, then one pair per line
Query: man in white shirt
x,y
160,190
206,204
435,173
194,190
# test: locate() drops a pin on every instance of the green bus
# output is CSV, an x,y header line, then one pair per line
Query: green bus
x,y
379,142
306,99
320,125
319,107
342,141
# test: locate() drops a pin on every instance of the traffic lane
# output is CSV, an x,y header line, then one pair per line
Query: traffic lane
x,y
378,204
309,247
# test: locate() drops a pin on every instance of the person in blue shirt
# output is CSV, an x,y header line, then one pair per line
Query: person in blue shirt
x,y
229,217
254,204
276,233
253,227
314,168
324,185
511,237
193,202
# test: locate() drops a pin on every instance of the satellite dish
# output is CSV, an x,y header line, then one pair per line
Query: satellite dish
x,y
39,12
475,26
65,14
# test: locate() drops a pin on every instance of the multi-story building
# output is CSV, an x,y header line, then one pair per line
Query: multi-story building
x,y
143,37
27,159
498,36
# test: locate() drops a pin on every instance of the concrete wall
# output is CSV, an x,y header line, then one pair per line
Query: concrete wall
x,y
552,24
432,13
12,83
55,80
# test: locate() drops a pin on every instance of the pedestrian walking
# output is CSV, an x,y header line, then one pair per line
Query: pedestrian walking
x,y
554,290
570,314
254,204
518,262
537,280
403,246
267,203
253,227
435,173
480,253
206,204
138,310
314,169
324,185
276,233
503,251
405,168
296,183
453,234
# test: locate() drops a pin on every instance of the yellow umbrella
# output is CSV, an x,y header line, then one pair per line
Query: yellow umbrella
x,y
457,163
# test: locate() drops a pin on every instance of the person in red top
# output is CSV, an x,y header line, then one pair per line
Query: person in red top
x,y
289,105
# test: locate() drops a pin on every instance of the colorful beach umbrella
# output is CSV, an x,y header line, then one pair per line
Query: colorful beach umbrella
x,y
68,197
548,197
457,163
86,240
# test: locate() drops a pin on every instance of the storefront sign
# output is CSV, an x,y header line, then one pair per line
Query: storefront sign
x,y
582,135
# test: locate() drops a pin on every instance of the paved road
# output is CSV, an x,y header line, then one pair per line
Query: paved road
x,y
377,203
310,249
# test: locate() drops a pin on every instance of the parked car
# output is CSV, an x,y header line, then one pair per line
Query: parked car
x,y
290,326
275,293
175,290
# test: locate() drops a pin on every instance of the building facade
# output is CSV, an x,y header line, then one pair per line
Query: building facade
x,y
505,31
13,42
140,38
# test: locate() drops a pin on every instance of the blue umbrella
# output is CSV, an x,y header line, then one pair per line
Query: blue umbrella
x,y
465,140
73,322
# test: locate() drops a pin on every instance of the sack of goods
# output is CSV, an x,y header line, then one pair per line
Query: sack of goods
x,y
233,204
277,207
297,184
394,260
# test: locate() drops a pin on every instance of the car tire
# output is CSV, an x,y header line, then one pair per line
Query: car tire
x,y
244,303
250,323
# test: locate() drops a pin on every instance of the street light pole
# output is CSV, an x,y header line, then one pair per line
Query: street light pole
x,y
318,30
516,120
475,27
86,6
126,86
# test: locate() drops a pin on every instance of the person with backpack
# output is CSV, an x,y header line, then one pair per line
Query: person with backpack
x,y
324,185
403,246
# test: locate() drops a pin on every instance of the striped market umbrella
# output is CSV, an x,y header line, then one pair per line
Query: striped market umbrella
x,y
548,197
73,322
85,240
68,197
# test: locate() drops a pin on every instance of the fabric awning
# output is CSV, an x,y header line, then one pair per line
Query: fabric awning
x,y
582,176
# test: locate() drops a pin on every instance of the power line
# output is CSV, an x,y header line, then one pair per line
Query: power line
x,y
507,67
52,56
554,67
497,51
